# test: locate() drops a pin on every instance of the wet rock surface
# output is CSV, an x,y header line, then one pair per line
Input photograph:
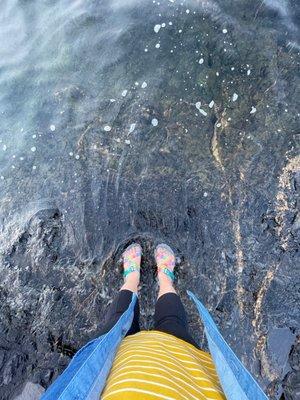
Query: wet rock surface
x,y
106,143
31,391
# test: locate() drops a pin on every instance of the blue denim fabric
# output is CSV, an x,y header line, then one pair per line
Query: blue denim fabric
x,y
236,381
85,377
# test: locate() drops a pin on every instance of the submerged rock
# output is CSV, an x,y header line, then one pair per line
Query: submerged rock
x,y
31,391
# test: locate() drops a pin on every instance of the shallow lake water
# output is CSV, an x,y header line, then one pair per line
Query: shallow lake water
x,y
174,121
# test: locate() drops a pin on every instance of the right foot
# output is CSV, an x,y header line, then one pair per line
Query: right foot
x,y
165,260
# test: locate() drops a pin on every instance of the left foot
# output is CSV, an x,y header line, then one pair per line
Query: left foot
x,y
132,261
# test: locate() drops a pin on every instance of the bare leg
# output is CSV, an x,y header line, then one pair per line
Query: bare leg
x,y
132,282
165,284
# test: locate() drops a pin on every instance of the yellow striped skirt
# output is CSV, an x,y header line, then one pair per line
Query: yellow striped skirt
x,y
156,365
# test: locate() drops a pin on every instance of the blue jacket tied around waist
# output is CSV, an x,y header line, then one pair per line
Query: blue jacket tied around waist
x,y
85,377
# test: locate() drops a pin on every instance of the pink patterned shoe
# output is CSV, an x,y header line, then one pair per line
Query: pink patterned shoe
x,y
165,260
132,259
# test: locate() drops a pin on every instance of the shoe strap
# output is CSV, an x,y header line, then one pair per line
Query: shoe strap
x,y
131,268
167,272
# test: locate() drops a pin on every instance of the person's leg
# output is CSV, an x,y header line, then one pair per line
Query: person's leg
x,y
131,259
117,308
170,316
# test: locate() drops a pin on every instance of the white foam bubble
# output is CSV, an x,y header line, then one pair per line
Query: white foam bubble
x,y
198,105
132,128
235,97
157,28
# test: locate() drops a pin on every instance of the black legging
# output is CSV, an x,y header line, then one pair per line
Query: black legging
x,y
169,317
